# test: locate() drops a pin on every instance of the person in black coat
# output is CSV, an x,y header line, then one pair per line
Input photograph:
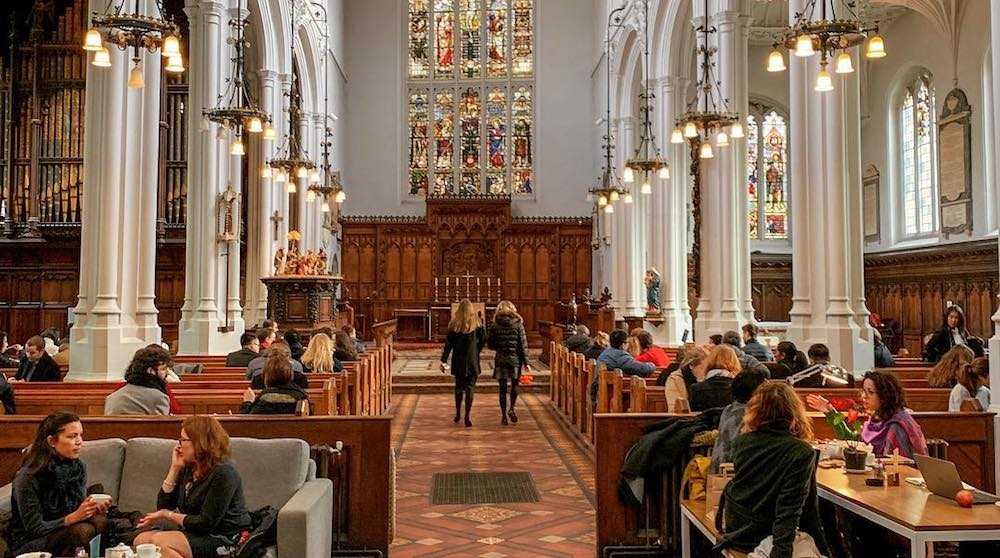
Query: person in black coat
x,y
280,395
36,365
716,389
466,338
951,333
883,358
508,338
295,346
788,354
250,351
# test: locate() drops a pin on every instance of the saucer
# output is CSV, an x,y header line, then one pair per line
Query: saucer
x,y
857,471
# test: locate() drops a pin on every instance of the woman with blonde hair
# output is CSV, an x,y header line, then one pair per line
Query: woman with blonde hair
x,y
632,346
945,372
715,389
773,490
201,497
466,338
689,372
319,355
507,337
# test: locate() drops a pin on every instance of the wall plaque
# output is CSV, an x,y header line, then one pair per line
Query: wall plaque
x,y
870,204
955,164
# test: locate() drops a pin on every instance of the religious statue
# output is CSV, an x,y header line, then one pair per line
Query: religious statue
x,y
279,262
321,261
605,296
652,282
292,260
306,263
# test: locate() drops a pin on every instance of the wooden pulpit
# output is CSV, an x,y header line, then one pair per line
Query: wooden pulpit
x,y
302,302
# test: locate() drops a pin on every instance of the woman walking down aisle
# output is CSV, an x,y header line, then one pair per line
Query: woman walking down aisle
x,y
508,338
466,338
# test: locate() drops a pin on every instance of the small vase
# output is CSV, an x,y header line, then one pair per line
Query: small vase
x,y
854,459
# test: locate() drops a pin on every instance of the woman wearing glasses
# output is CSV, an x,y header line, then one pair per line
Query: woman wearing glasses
x,y
890,424
201,499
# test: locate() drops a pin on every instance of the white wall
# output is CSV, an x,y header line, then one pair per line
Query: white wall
x,y
374,119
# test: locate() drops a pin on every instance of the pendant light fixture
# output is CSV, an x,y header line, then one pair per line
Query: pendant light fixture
x,y
609,189
292,161
130,29
831,33
647,159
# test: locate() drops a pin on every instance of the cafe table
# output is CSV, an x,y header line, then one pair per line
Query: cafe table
x,y
909,510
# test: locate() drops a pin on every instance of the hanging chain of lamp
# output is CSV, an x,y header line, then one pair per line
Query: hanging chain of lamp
x,y
708,113
292,161
831,36
647,159
133,30
237,110
330,187
609,189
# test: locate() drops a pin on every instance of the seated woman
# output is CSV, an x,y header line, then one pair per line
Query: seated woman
x,y
731,419
201,498
788,354
715,390
359,345
952,333
773,490
319,355
973,384
344,350
945,372
601,341
281,396
294,341
648,352
145,390
50,510
688,373
890,425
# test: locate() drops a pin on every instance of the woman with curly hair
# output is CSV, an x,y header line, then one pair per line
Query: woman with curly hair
x,y
890,425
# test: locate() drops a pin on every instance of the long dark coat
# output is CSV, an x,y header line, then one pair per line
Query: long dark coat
x,y
464,349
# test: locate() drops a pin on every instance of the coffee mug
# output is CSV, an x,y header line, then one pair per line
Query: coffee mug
x,y
147,550
35,555
100,498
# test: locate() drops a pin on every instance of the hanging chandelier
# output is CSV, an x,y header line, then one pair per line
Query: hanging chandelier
x,y
237,110
133,30
646,159
609,189
707,116
330,188
831,36
292,161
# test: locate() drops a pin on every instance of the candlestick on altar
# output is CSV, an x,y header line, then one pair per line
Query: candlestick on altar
x,y
488,293
478,297
447,288
435,289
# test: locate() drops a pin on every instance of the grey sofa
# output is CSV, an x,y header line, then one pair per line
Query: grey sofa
x,y
276,472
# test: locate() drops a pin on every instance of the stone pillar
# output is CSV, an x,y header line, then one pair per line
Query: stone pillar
x,y
282,126
115,313
212,269
628,261
828,281
725,260
995,130
260,260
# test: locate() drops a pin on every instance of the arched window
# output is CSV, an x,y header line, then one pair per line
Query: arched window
x,y
470,105
917,166
766,171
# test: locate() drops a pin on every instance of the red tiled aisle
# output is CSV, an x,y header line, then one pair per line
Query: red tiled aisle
x,y
561,524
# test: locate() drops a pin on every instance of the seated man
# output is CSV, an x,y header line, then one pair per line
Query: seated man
x,y
753,347
883,358
616,357
265,336
731,419
36,365
242,357
747,362
821,373
255,370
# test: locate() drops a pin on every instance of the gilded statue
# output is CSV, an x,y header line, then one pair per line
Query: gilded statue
x,y
279,262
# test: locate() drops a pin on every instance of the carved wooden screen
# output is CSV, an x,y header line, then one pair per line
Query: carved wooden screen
x,y
44,77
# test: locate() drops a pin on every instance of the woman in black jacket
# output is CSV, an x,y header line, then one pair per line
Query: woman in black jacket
x,y
281,396
295,346
50,510
951,333
465,341
507,337
201,498
773,490
788,354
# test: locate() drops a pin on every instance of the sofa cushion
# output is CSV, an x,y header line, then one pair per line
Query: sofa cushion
x,y
272,470
103,459
147,461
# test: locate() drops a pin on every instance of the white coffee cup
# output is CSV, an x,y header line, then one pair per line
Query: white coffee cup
x,y
35,555
147,550
100,498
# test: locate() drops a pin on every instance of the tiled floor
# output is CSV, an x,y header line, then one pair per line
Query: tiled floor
x,y
561,524
421,362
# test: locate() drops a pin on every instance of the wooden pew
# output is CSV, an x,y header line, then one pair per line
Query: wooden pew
x,y
366,441
970,437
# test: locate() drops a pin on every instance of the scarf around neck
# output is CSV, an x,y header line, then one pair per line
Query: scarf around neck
x,y
883,438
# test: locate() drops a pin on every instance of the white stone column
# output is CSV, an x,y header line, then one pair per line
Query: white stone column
x,y
208,274
628,262
995,340
827,268
260,259
115,314
725,260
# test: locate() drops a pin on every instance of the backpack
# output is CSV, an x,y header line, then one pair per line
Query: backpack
x,y
263,534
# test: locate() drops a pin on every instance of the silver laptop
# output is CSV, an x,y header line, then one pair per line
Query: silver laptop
x,y
941,478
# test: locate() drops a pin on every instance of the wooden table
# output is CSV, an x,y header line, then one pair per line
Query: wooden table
x,y
694,512
422,313
909,510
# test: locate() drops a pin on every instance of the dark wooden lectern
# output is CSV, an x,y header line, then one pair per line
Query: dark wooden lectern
x,y
305,302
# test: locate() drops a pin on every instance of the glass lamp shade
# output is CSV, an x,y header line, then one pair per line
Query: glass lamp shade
x,y
266,172
310,196
602,201
609,208
135,80
614,196
722,139
775,61
844,64
175,64
664,173
269,133
628,176
102,58
171,46
690,130
314,176
736,130
824,82
706,151
646,188
628,198
93,41
804,46
876,47
301,172
255,126
291,188
280,176
237,148
677,136
325,208
341,197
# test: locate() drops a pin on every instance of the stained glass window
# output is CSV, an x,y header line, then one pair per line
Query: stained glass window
x,y
767,173
917,170
470,113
